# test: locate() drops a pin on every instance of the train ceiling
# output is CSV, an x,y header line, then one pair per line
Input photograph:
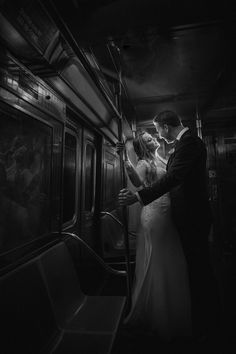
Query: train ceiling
x,y
176,55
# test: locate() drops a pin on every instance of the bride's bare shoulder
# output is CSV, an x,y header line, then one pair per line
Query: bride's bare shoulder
x,y
143,165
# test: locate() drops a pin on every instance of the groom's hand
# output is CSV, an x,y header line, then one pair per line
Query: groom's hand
x,y
126,197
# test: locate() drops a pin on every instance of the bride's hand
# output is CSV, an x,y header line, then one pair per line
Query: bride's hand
x,y
120,147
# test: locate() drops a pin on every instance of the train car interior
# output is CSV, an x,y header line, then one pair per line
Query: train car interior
x,y
76,77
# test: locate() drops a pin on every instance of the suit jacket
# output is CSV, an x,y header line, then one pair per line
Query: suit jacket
x,y
186,180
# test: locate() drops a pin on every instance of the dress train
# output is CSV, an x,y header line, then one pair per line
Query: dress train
x,y
161,296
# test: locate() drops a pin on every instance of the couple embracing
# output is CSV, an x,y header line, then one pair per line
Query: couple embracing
x,y
175,292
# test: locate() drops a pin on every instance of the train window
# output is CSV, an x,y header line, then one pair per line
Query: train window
x,y
69,188
89,177
230,146
25,179
109,186
111,180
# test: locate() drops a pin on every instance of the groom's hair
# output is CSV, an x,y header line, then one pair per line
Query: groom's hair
x,y
167,117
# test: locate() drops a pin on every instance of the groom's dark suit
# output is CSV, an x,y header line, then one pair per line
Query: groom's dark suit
x,y
187,183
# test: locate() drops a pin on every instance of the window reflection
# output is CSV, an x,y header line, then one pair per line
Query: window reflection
x,y
89,177
69,185
25,180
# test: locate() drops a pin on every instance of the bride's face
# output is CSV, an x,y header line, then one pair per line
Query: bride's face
x,y
150,142
164,133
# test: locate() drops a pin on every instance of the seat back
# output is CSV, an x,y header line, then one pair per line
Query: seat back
x,y
62,281
27,319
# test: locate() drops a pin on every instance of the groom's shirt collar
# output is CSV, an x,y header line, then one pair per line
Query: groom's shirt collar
x,y
181,133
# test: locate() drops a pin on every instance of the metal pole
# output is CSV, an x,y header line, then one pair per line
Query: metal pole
x,y
124,208
198,121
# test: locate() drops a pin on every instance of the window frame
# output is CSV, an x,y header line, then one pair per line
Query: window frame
x,y
87,143
70,223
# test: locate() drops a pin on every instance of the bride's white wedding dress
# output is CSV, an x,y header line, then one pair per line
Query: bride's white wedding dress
x,y
161,297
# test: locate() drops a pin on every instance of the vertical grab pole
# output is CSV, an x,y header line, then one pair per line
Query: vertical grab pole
x,y
124,208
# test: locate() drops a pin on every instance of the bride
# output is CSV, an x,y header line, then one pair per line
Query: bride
x,y
160,297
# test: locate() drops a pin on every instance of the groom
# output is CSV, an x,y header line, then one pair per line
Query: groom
x,y
186,181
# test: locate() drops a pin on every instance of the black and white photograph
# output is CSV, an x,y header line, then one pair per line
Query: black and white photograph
x,y
117,177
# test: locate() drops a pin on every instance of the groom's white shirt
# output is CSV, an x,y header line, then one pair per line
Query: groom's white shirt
x,y
181,133
177,138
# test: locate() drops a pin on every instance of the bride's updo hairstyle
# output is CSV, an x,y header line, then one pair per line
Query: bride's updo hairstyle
x,y
140,147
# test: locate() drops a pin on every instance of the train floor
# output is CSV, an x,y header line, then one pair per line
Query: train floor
x,y
141,343
130,341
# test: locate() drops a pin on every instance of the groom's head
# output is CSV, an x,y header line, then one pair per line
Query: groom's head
x,y
168,125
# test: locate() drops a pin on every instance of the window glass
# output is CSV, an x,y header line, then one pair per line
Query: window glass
x,y
69,184
111,183
89,177
109,186
25,180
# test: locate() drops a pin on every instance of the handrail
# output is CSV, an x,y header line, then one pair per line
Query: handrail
x,y
112,216
117,220
98,258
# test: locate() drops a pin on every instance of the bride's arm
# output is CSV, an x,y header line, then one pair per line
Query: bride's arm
x,y
136,175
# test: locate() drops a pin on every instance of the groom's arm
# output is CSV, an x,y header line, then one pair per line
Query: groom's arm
x,y
186,155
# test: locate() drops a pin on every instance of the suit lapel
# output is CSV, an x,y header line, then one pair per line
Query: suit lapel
x,y
176,147
169,161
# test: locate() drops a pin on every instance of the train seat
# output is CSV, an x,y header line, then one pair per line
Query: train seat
x,y
88,323
43,309
27,320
